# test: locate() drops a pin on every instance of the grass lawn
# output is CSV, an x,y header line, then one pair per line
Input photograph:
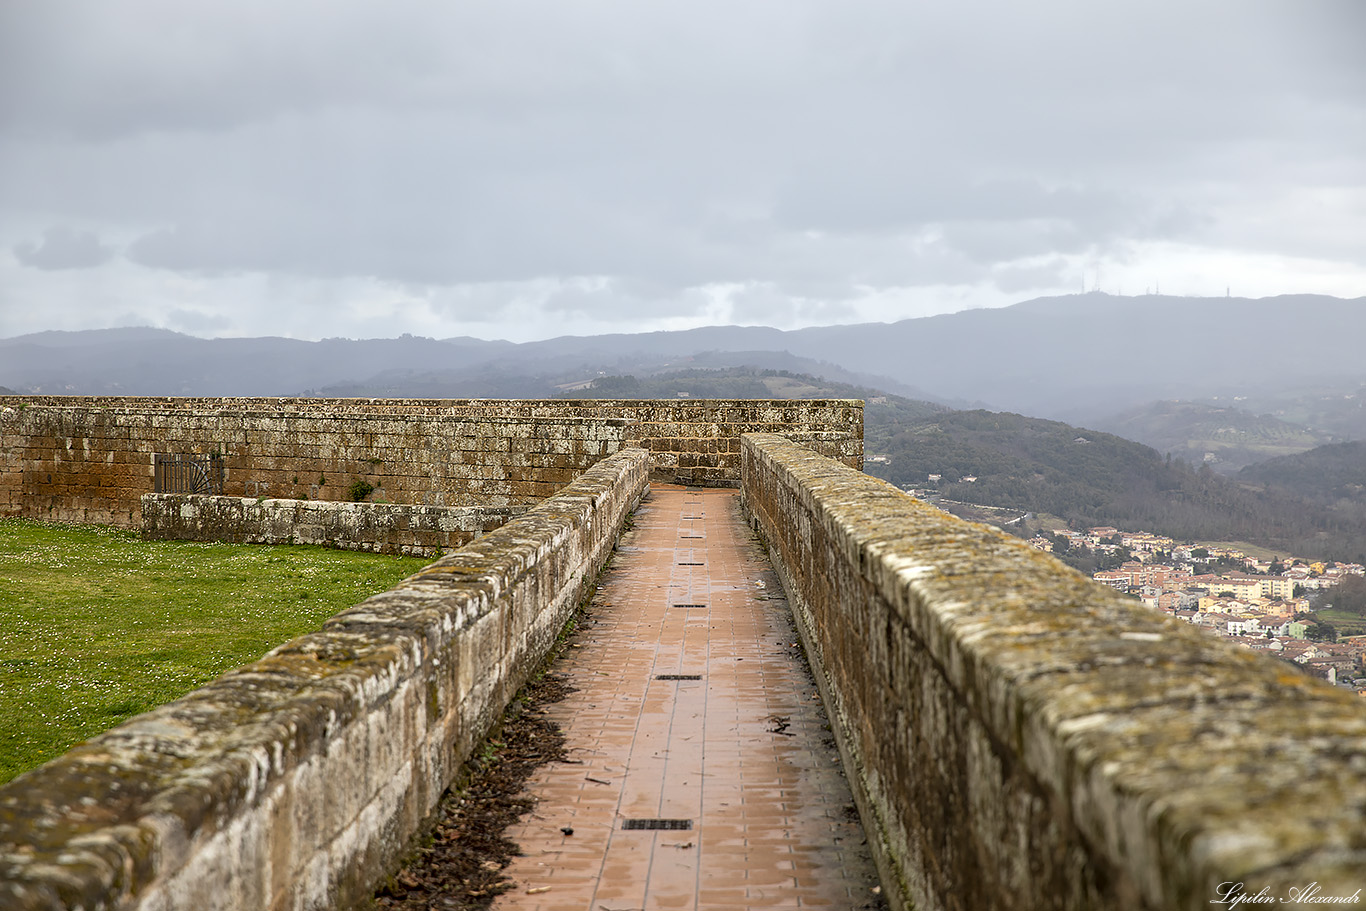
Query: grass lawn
x,y
1347,624
97,626
1251,550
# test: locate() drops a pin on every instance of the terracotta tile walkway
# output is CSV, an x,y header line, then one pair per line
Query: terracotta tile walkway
x,y
741,754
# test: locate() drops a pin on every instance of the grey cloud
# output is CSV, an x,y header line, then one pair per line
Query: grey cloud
x,y
1021,279
989,242
605,300
208,247
196,322
64,248
113,69
766,305
1106,229
873,202
618,158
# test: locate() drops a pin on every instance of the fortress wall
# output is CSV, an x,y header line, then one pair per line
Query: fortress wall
x,y
385,528
1020,737
89,458
294,782
697,441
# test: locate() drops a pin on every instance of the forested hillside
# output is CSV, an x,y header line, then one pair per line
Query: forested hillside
x,y
1228,437
1333,475
1092,478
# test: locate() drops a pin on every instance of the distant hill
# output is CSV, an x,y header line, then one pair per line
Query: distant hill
x,y
86,338
1084,356
1093,478
1336,408
882,413
1333,475
156,362
484,381
1226,437
153,362
567,374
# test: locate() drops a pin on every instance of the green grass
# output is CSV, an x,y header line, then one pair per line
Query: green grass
x,y
97,626
1346,623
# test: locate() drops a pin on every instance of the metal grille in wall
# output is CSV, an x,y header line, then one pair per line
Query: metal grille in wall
x,y
188,474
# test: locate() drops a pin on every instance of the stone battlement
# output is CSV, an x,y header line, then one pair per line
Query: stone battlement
x,y
1022,738
89,458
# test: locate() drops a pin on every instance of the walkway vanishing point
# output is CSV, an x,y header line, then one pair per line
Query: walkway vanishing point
x,y
703,773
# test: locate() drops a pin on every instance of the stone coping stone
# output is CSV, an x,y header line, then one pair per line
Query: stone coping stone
x,y
513,408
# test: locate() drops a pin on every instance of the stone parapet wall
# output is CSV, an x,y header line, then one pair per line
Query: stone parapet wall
x,y
383,528
697,441
295,782
1020,737
89,458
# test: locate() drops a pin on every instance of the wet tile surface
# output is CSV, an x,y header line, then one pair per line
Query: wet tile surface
x,y
742,753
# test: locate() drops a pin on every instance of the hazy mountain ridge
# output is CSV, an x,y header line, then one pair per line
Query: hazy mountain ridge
x,y
1078,358
174,364
1090,355
78,338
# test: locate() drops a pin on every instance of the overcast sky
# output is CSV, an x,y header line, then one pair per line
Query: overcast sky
x,y
522,169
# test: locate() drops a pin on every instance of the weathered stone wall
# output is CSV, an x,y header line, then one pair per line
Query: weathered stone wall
x,y
384,528
293,782
698,441
1023,738
89,459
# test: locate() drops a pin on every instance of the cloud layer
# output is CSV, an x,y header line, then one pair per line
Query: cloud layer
x,y
522,170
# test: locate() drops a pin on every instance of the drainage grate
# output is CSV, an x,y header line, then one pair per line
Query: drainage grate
x,y
678,676
691,537
691,564
689,605
672,825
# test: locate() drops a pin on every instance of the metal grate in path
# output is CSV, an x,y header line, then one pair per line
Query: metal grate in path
x,y
657,825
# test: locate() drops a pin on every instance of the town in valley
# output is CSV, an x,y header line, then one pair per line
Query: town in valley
x,y
1268,605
